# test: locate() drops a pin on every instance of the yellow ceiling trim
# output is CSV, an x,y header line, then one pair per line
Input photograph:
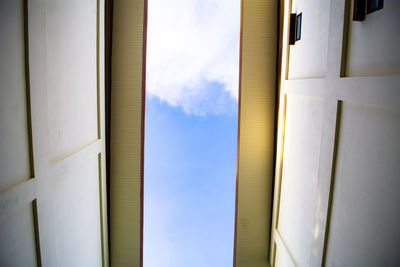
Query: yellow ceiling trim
x,y
256,132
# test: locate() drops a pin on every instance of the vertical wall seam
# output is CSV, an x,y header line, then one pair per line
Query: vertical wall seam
x,y
332,181
28,88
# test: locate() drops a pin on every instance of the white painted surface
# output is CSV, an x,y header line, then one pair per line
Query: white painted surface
x,y
282,259
17,238
347,212
373,44
300,174
309,55
77,216
71,75
14,136
365,208
58,217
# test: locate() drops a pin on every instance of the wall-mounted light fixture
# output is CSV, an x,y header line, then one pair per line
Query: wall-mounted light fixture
x,y
363,7
295,28
298,26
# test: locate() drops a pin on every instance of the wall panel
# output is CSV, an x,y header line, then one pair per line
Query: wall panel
x,y
71,75
337,203
77,216
308,57
51,113
300,175
372,45
282,259
18,238
365,203
15,147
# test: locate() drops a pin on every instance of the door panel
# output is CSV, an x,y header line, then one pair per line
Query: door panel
x,y
336,192
52,186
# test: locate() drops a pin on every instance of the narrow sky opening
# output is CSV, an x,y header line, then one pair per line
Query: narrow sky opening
x,y
191,132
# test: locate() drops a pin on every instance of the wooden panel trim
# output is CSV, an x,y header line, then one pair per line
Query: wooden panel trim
x,y
285,41
279,57
280,169
354,89
279,148
331,183
345,38
103,239
77,158
281,243
39,103
36,227
17,197
98,62
28,87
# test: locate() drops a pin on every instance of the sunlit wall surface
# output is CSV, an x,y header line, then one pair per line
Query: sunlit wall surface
x,y
191,132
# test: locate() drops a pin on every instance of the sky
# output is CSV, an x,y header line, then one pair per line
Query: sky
x,y
191,132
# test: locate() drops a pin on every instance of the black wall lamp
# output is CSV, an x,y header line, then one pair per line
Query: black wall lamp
x,y
295,28
364,7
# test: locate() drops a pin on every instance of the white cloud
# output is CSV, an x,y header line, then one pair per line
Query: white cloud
x,y
192,44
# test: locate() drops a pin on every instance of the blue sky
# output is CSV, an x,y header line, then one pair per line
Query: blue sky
x,y
191,132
